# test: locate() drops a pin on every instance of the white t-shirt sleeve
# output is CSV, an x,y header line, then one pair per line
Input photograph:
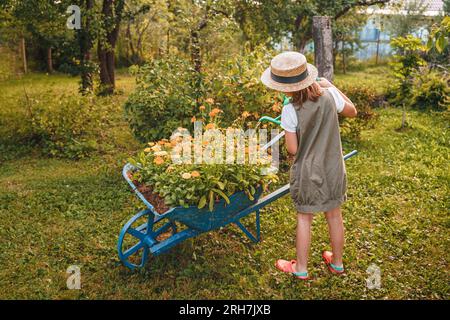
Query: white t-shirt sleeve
x,y
289,118
338,99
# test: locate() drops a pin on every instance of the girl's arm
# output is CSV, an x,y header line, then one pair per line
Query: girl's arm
x,y
291,142
349,108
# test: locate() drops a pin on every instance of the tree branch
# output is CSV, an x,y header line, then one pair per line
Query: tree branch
x,y
360,3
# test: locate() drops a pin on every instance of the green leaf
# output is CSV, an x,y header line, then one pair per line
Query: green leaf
x,y
223,195
211,201
202,202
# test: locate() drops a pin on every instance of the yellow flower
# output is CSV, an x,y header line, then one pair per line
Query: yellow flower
x,y
161,153
195,174
170,169
245,114
156,148
186,175
158,160
147,149
202,108
210,100
151,144
210,126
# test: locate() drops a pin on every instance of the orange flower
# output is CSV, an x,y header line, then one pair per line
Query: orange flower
x,y
214,112
161,142
158,160
202,108
210,126
193,119
245,114
210,100
276,107
195,174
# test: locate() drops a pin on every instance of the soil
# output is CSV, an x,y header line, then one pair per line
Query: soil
x,y
154,198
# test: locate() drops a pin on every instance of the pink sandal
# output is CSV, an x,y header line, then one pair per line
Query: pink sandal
x,y
327,257
288,267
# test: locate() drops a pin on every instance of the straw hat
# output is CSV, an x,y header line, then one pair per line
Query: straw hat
x,y
289,72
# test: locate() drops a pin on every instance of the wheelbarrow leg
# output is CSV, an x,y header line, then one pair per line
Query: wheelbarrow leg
x,y
254,238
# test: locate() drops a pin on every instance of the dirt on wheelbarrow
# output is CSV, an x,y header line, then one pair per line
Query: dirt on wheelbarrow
x,y
154,198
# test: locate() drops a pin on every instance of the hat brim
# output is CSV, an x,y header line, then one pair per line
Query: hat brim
x,y
290,87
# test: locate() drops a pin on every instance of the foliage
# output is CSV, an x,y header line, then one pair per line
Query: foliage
x,y
165,98
438,49
66,126
407,61
169,93
187,184
364,99
408,17
346,36
236,86
431,91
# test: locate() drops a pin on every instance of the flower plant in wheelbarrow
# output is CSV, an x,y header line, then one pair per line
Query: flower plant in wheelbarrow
x,y
166,183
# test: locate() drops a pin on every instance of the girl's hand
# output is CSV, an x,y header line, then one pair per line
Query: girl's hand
x,y
324,83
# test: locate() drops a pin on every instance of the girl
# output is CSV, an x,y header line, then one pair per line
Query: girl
x,y
317,175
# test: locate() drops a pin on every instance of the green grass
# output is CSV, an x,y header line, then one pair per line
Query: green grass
x,y
56,213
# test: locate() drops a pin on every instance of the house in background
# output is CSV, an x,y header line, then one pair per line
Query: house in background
x,y
374,36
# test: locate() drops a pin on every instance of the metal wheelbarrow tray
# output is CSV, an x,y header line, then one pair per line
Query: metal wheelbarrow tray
x,y
196,220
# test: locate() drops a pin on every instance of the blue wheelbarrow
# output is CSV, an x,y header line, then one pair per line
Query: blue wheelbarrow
x,y
146,232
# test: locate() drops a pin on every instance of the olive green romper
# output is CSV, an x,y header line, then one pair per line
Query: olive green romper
x,y
318,180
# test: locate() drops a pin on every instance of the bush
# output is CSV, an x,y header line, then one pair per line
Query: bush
x,y
237,86
364,98
431,91
169,93
66,126
165,98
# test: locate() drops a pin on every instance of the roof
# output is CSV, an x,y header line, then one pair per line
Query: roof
x,y
432,7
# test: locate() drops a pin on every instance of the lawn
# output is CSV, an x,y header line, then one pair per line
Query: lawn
x,y
56,213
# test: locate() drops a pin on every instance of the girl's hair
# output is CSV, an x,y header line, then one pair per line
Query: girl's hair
x,y
312,93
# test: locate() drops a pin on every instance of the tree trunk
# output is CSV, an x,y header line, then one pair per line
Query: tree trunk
x,y
323,46
344,65
195,51
112,12
85,42
49,60
24,55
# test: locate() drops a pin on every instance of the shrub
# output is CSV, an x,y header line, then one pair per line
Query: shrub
x,y
364,98
165,98
431,91
237,86
407,62
66,126
169,93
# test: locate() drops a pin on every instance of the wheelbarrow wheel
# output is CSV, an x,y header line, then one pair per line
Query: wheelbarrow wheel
x,y
134,240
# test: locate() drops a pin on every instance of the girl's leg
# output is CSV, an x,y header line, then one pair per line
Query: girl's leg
x,y
336,230
304,221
